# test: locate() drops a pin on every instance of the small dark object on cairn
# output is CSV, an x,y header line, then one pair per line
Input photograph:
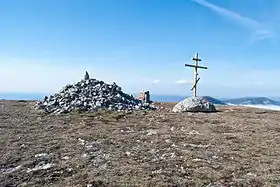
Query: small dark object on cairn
x,y
86,76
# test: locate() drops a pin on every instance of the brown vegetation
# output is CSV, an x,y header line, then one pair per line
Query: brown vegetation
x,y
236,146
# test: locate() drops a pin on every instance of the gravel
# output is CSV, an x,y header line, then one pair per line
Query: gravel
x,y
237,146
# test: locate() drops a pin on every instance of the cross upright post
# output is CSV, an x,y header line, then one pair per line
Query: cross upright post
x,y
195,66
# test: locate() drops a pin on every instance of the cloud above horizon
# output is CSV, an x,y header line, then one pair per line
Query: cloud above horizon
x,y
258,83
183,81
32,76
156,81
259,31
27,76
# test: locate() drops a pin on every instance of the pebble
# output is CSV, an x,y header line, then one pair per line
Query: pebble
x,y
127,153
65,158
41,155
11,170
40,166
151,132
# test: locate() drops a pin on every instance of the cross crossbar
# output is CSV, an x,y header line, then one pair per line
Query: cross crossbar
x,y
196,59
194,66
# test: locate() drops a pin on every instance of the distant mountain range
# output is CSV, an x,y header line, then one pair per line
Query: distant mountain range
x,y
213,100
235,101
252,101
163,98
167,98
176,98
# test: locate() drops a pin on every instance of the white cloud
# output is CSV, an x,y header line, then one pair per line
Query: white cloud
x,y
39,76
156,81
258,83
46,77
183,81
257,29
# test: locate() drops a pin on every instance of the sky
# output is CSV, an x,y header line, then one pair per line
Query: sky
x,y
141,44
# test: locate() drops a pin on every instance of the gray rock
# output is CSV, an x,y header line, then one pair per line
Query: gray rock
x,y
86,76
194,104
90,94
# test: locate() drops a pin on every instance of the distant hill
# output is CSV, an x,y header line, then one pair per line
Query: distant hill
x,y
275,98
167,98
214,101
252,101
176,98
162,98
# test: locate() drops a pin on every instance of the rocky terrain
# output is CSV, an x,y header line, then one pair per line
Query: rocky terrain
x,y
232,147
90,95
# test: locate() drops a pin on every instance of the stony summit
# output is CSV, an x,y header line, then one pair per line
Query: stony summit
x,y
91,94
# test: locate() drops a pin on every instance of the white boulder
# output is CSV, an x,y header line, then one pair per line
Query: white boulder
x,y
194,104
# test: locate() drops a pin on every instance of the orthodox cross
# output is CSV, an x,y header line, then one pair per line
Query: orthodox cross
x,y
195,66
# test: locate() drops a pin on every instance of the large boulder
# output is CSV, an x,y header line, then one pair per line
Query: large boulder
x,y
194,104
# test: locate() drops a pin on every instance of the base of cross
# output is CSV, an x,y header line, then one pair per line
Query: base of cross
x,y
194,104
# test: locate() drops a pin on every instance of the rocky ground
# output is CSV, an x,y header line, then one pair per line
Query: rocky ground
x,y
233,147
90,95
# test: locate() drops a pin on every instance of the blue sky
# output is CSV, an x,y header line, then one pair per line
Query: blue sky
x,y
141,44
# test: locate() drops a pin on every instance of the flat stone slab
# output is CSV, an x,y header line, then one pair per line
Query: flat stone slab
x,y
194,104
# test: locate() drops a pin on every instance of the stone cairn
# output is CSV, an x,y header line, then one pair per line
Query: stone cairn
x,y
90,95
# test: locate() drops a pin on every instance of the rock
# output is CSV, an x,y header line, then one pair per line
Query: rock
x,y
10,170
65,158
194,104
24,184
86,76
42,155
151,132
90,95
40,166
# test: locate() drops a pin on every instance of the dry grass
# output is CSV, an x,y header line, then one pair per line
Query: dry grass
x,y
237,146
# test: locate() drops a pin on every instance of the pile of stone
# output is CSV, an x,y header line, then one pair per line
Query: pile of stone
x,y
194,104
91,94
